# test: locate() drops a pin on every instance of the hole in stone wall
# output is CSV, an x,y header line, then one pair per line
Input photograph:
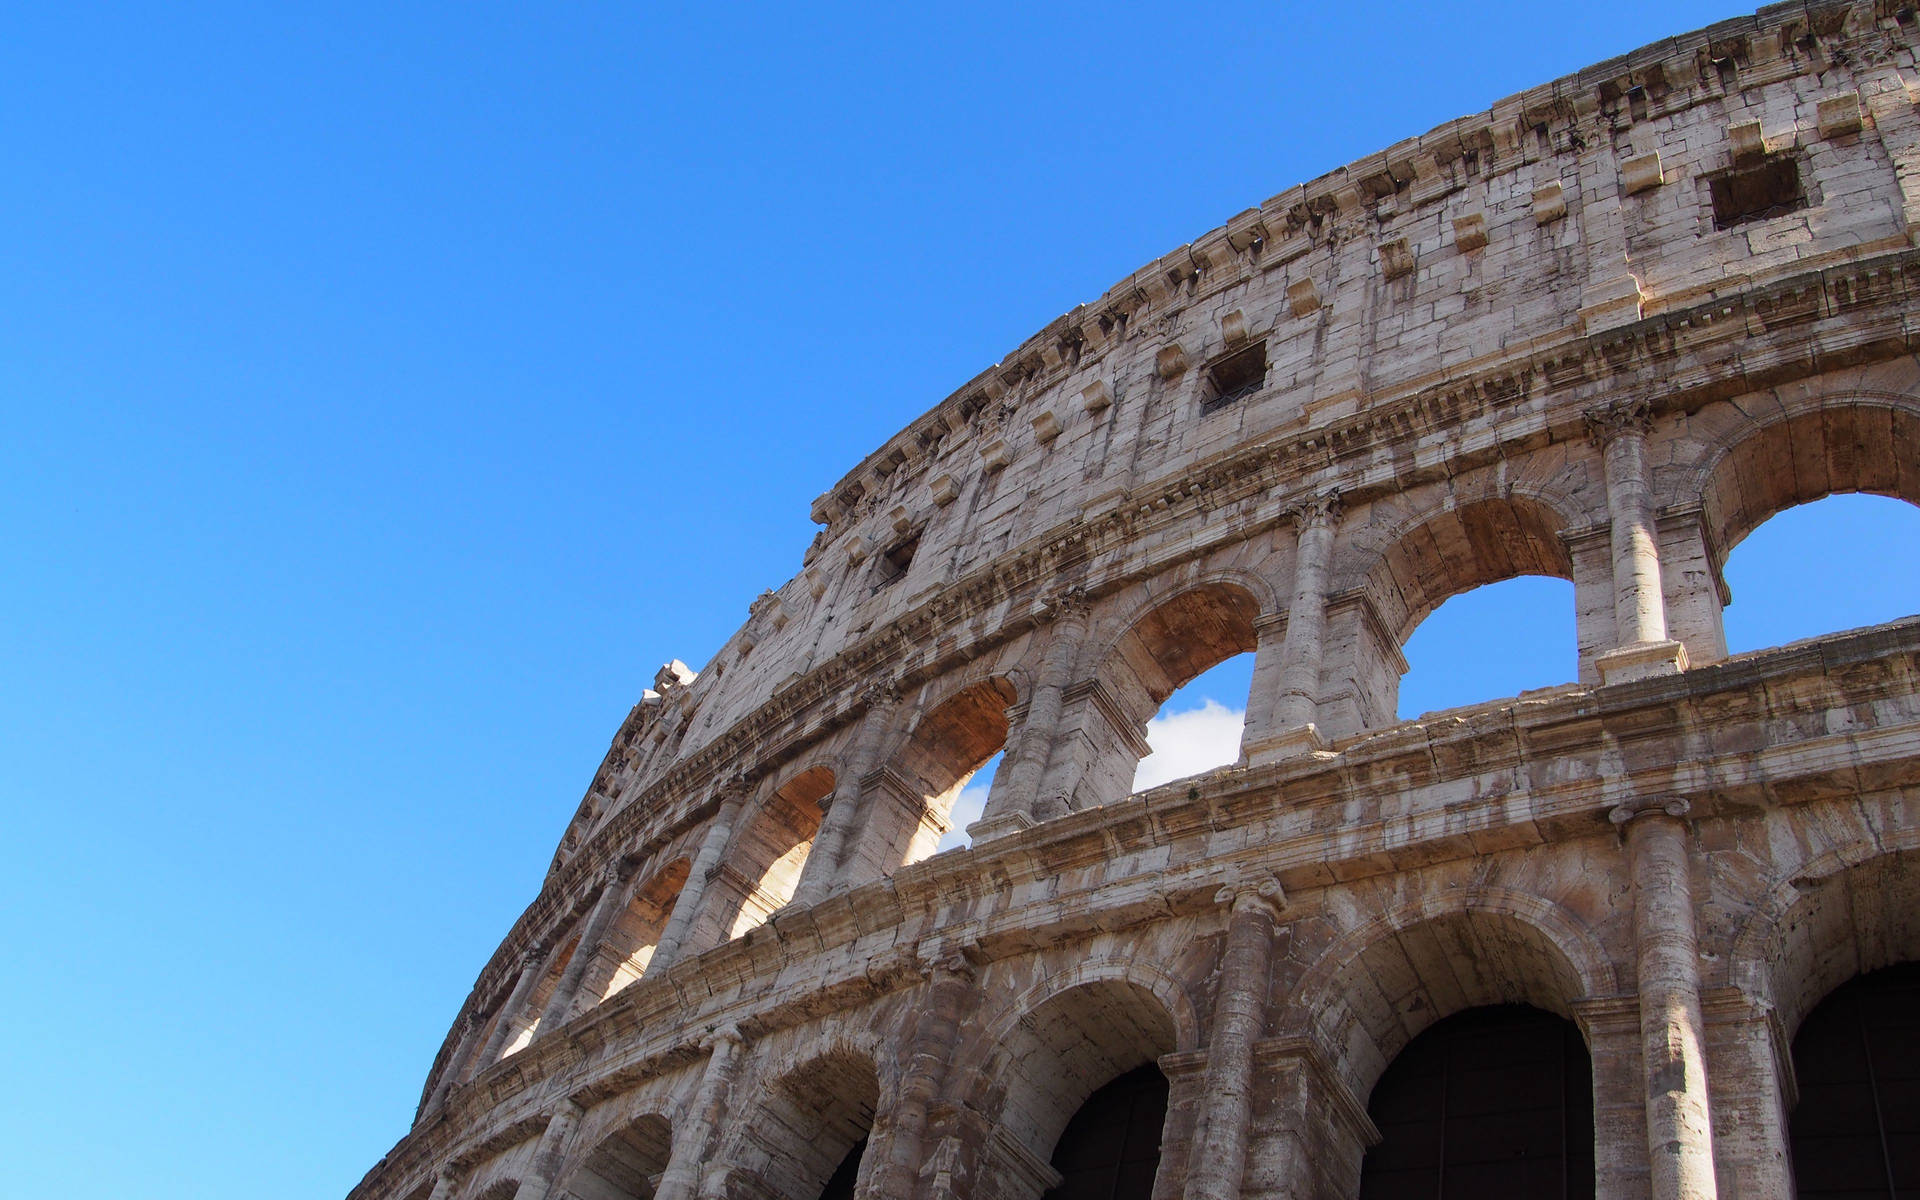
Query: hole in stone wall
x,y
1492,641
970,805
1198,727
1781,594
895,561
1236,377
1769,189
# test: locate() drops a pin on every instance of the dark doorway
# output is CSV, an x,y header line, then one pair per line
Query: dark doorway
x,y
1856,1130
840,1187
1111,1148
1493,1101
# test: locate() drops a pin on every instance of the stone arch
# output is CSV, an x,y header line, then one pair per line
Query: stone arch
x,y
1167,640
1390,578
1810,447
951,739
1380,984
624,1165
1850,910
802,1123
627,947
1061,1041
763,862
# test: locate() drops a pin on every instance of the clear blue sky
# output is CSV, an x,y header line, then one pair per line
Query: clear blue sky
x,y
385,391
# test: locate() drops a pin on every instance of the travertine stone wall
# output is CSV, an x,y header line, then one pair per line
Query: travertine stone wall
x,y
1523,343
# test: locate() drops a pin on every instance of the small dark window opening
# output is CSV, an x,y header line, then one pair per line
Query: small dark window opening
x,y
1111,1148
1236,377
840,1187
894,563
1770,189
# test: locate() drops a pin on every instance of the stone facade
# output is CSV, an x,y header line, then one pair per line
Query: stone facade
x,y
1600,332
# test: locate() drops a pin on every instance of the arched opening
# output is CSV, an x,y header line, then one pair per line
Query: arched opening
x,y
1856,1131
1498,640
1453,552
1198,727
628,947
1110,1150
807,1136
953,741
528,1019
1782,580
1171,646
970,805
626,1166
762,866
1057,1066
1493,1101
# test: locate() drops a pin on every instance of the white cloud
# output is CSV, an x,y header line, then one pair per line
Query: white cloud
x,y
1187,743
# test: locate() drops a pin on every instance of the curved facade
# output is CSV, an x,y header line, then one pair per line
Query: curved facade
x,y
1600,333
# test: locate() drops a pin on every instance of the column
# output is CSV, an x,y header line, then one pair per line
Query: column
x,y
1010,805
1294,732
613,896
456,1063
1643,649
1754,1090
822,868
1269,667
895,1158
681,1179
733,796
444,1184
509,1014
1240,1017
1672,1032
550,1153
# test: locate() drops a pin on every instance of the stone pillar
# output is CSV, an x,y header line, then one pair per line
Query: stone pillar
x,y
1696,590
706,863
1010,805
509,1015
1639,606
613,897
1672,1031
1239,1019
1753,1091
1611,1025
444,1184
691,1136
822,868
456,1063
1294,709
1269,667
1311,1134
894,1157
551,1152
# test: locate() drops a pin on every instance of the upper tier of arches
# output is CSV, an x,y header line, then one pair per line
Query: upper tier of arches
x,y
1427,372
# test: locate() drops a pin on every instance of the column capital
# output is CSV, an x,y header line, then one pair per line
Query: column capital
x,y
728,1035
1323,509
1672,806
1257,893
618,871
958,960
1606,422
1067,604
880,694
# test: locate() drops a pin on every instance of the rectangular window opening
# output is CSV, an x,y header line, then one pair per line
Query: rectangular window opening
x,y
1768,189
894,562
1236,377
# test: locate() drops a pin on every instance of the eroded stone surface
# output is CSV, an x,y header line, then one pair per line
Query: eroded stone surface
x,y
1528,342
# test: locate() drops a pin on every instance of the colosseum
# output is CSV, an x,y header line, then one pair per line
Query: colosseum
x,y
1648,934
